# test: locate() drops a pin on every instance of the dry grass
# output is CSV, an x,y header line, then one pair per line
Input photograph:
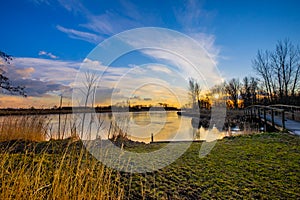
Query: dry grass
x,y
30,127
73,174
33,168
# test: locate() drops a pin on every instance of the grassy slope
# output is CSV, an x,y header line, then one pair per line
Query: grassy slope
x,y
256,166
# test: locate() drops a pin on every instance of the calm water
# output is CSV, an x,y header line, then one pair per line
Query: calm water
x,y
139,126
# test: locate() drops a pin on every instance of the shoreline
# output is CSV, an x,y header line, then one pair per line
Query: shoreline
x,y
13,111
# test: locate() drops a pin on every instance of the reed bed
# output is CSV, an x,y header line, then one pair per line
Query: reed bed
x,y
71,174
27,127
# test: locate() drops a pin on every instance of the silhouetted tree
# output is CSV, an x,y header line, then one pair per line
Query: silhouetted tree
x,y
261,64
194,93
232,88
5,83
248,91
285,61
280,71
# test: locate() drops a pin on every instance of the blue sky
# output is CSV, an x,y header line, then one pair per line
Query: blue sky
x,y
49,39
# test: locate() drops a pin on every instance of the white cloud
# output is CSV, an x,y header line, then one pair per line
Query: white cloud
x,y
47,69
42,76
42,53
189,56
160,68
94,65
26,72
75,34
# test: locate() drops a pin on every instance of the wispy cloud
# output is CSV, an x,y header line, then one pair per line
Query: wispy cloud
x,y
50,55
160,68
188,56
192,17
109,23
100,26
80,35
38,2
75,6
195,20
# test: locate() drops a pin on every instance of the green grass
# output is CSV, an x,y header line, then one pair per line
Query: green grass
x,y
254,166
262,166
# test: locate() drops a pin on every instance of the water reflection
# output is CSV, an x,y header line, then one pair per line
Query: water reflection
x,y
139,126
164,126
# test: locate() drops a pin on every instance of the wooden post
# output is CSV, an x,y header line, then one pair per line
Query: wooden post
x,y
272,113
265,120
151,137
59,113
283,120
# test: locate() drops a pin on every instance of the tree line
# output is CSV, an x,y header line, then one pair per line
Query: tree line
x,y
277,81
279,72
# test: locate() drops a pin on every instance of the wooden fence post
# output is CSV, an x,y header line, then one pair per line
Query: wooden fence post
x,y
265,120
283,120
272,113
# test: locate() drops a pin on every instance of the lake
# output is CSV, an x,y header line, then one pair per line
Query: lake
x,y
139,126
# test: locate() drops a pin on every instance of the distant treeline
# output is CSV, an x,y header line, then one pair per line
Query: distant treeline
x,y
277,79
69,110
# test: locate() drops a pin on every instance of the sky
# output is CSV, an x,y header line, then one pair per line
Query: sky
x,y
54,42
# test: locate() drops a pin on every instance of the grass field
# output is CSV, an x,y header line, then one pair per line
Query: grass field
x,y
261,166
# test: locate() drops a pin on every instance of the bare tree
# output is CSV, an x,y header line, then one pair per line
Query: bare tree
x,y
279,71
253,89
248,91
296,74
88,91
232,88
261,64
194,93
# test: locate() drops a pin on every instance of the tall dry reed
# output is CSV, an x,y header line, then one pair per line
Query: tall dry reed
x,y
27,127
73,174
